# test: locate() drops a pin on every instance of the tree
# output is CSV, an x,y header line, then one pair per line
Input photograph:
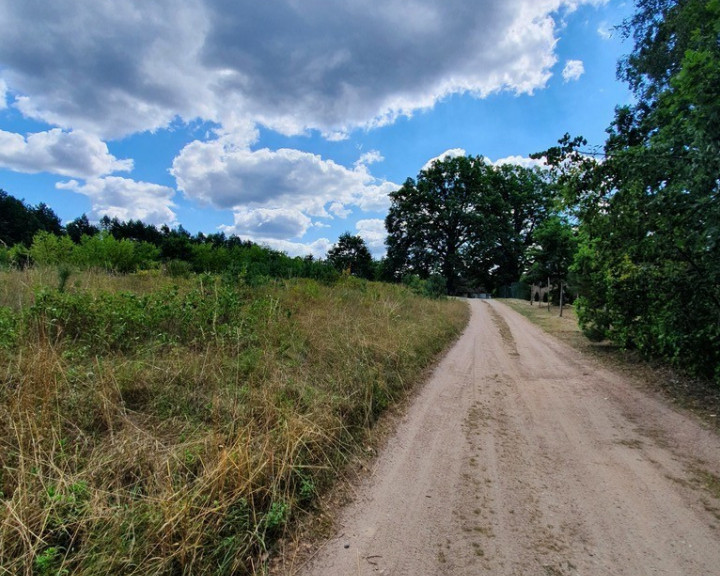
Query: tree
x,y
526,198
50,249
466,220
649,255
15,221
176,244
80,227
19,222
434,222
351,253
552,253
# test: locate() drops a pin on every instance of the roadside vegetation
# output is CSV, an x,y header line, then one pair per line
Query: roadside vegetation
x,y
648,204
158,424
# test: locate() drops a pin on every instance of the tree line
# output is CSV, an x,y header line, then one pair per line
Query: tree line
x,y
510,208
35,235
648,208
477,226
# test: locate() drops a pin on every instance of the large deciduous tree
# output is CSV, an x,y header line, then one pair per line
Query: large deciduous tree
x,y
525,203
467,220
553,251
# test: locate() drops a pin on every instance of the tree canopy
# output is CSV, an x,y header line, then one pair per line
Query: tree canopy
x,y
19,222
649,254
351,254
466,220
553,251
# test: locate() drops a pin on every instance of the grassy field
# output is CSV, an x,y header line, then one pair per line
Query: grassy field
x,y
156,425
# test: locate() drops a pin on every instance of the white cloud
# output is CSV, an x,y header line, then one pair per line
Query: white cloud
x,y
338,209
370,157
276,194
524,161
263,223
126,199
373,231
604,31
452,153
227,176
74,154
114,69
573,70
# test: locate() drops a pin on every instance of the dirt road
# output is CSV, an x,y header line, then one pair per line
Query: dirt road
x,y
522,457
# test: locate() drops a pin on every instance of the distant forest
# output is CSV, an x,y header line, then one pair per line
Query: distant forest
x,y
36,235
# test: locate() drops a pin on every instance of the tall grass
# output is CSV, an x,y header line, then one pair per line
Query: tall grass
x,y
151,425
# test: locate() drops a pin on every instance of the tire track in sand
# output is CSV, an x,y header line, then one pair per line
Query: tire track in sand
x,y
521,457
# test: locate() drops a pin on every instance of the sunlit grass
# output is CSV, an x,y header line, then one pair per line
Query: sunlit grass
x,y
183,435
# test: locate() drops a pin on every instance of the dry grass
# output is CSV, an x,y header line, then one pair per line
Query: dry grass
x,y
179,449
700,397
564,328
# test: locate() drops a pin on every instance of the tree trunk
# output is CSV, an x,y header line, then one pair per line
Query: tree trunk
x,y
561,298
548,294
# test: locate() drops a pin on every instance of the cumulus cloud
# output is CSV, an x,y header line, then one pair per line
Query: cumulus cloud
x,y
263,223
452,153
75,154
521,161
3,94
109,68
372,230
573,70
230,177
370,157
126,199
114,69
275,194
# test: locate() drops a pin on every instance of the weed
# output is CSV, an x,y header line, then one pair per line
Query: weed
x,y
276,517
63,276
157,425
49,563
8,327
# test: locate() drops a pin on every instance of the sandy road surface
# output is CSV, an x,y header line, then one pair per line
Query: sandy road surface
x,y
522,457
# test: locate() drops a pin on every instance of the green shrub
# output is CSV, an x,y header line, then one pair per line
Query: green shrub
x,y
9,323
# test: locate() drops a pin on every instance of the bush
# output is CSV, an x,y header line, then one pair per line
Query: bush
x,y
9,323
434,287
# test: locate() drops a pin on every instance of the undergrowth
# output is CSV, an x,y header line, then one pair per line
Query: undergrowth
x,y
155,425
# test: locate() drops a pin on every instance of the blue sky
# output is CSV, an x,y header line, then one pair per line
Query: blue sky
x,y
287,122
